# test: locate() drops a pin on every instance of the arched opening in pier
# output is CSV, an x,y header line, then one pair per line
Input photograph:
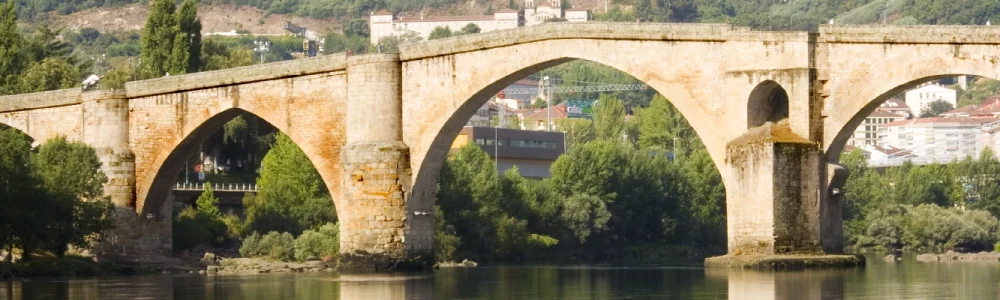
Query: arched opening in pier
x,y
768,103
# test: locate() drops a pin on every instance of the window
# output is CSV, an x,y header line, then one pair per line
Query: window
x,y
480,141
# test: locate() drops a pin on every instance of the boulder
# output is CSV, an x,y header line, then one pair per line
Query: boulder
x,y
891,258
210,259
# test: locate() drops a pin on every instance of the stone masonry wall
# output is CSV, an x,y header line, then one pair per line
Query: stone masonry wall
x,y
772,201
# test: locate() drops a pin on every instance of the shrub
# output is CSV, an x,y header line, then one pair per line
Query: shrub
x,y
235,227
321,243
929,227
193,227
273,245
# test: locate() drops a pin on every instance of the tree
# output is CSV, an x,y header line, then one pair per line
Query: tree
x,y
11,57
935,108
17,210
578,131
217,56
291,196
76,208
661,123
391,43
207,202
982,187
356,27
584,215
470,28
186,53
609,119
51,74
157,39
439,33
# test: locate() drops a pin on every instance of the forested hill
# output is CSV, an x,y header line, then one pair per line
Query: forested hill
x,y
765,14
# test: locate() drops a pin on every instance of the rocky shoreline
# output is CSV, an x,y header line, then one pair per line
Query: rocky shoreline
x,y
951,256
215,265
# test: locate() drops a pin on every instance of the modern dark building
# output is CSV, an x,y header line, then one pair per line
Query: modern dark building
x,y
531,151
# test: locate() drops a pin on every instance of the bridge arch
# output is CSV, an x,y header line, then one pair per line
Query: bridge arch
x,y
434,112
850,103
167,162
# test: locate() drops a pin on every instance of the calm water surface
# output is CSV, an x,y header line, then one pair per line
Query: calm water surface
x,y
879,280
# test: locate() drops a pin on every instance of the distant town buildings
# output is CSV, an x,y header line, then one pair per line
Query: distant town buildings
x,y
936,139
867,133
919,98
384,23
532,152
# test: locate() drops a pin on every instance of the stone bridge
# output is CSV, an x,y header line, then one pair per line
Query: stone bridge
x,y
774,110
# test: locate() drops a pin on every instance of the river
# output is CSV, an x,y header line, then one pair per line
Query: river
x,y
879,280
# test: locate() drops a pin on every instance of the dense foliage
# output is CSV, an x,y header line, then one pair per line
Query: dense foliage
x,y
35,62
200,225
171,40
50,197
321,243
291,195
915,206
607,194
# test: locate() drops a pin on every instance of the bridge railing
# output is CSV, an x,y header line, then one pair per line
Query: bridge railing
x,y
218,187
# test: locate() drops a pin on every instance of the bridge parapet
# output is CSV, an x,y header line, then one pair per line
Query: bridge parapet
x,y
11,103
566,30
240,75
917,34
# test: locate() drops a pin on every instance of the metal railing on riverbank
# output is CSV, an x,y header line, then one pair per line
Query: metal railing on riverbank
x,y
218,187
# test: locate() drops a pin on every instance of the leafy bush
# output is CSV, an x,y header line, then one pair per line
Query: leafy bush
x,y
321,243
929,227
235,227
193,228
273,245
203,225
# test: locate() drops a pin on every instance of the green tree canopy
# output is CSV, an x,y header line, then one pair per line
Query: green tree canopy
x,y
935,108
291,196
439,33
470,28
157,39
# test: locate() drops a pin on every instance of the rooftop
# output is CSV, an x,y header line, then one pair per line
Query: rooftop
x,y
884,114
894,103
446,18
938,120
961,110
382,13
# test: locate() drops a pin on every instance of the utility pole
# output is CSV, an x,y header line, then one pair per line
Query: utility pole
x,y
548,103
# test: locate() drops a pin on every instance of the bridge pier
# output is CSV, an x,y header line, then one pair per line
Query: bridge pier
x,y
106,129
773,202
376,226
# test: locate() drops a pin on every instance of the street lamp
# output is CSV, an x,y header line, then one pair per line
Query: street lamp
x,y
262,47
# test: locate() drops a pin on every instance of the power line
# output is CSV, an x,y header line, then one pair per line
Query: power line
x,y
577,89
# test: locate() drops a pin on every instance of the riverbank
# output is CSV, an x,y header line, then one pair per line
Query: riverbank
x,y
69,266
951,256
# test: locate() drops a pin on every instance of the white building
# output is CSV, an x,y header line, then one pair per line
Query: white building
x,y
578,15
867,133
938,139
917,99
896,106
384,23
